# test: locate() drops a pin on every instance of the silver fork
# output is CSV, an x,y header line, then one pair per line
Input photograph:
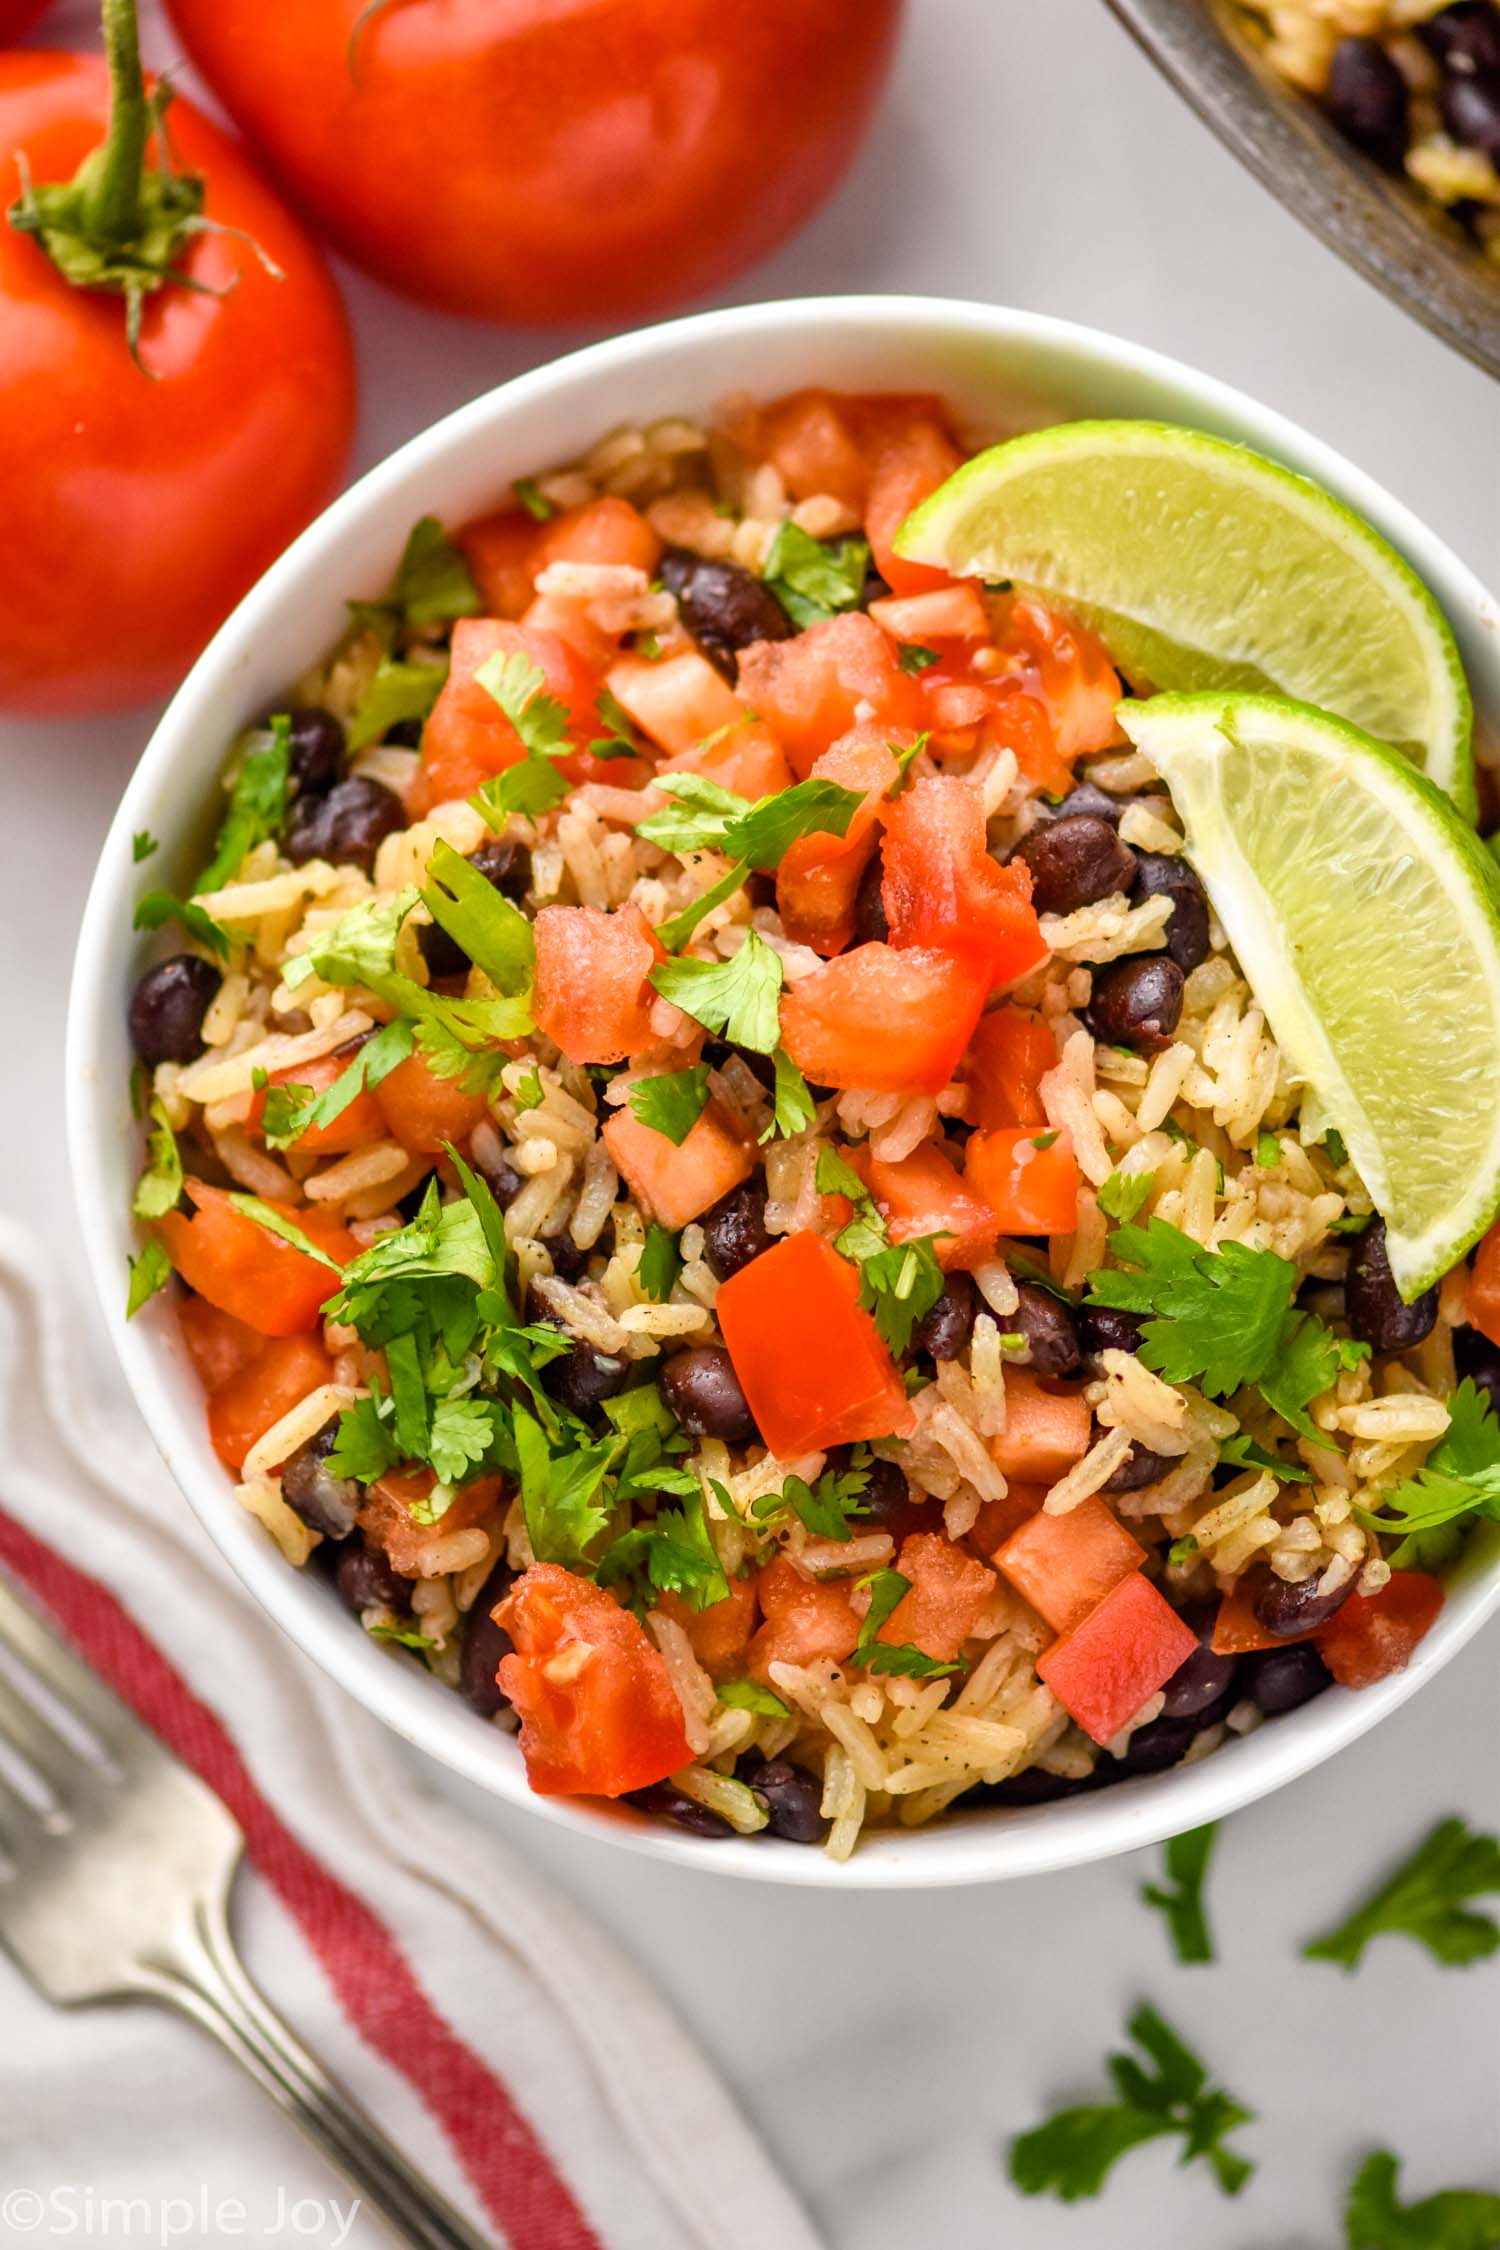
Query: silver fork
x,y
116,1864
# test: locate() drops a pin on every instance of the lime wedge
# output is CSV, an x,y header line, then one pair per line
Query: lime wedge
x,y
1203,565
1366,917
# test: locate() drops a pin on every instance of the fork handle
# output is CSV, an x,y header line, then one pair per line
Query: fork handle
x,y
203,1977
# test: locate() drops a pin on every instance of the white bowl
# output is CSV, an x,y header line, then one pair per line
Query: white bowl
x,y
1002,370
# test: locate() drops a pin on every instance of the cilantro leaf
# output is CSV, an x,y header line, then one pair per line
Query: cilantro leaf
x,y
531,497
698,817
899,1286
1461,1479
749,1695
907,1662
541,723
291,1110
159,1188
1123,1193
813,581
365,1445
620,739
257,804
912,657
1241,1452
660,1263
1426,1899
530,1094
737,998
285,1230
824,1508
359,948
149,1271
490,928
1182,1550
706,817
559,1491
396,692
1454,2219
1308,1359
462,1433
887,1589
1185,1866
1214,1316
673,1554
672,1102
143,844
433,582
793,1105
159,907
1267,1150
1072,2154
678,928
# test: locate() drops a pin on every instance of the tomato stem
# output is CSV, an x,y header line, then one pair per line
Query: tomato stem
x,y
111,206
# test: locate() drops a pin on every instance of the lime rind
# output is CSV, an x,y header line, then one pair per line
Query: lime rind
x,y
1366,918
1205,565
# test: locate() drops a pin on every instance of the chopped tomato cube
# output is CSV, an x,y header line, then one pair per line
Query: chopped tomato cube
x,y
1019,720
1032,1188
1484,1287
1074,672
1045,1431
423,1111
284,1372
812,689
720,1634
941,888
1115,1660
746,758
922,1194
1373,1635
591,997
948,613
893,1018
810,440
997,1519
1065,1565
1009,1055
811,1362
607,530
678,700
218,1345
468,738
598,1712
386,1518
913,454
501,552
819,876
807,1620
355,1124
1237,1629
244,1269
948,1591
570,618
677,1185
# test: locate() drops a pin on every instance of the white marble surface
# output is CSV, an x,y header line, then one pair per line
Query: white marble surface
x,y
888,2044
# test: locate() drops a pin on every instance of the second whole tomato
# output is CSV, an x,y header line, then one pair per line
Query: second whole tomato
x,y
550,160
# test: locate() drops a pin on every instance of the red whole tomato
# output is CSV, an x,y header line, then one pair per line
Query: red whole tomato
x,y
550,163
142,500
17,16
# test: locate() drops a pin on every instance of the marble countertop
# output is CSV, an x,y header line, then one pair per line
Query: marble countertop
x,y
887,2045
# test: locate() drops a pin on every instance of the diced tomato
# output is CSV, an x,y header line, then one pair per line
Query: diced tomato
x,y
807,1619
721,1633
1237,1629
218,1345
811,1362
1373,1635
244,1269
677,701
570,618
1009,1055
387,1521
592,998
1115,1660
913,454
948,613
354,1125
423,1111
948,1591
941,888
1484,1287
1074,672
893,1018
1031,1188
813,688
676,1185
922,1194
997,1519
1045,1431
819,876
1065,1565
501,552
598,1712
468,737
607,530
284,1372
1020,721
746,758
809,439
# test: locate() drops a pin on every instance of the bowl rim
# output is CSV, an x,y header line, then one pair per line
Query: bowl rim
x,y
977,1847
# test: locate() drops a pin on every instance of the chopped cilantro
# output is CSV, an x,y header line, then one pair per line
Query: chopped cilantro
x,y
908,1663
1426,1899
619,739
559,1491
706,817
1185,1867
1241,1452
672,1102
160,1186
460,1437
159,907
813,581
899,1283
531,497
1337,1153
530,1094
887,1590
365,1446
912,657
1454,2219
493,931
143,844
1182,1550
1165,2094
257,804
737,998
648,647
908,753
140,1090
1123,1193
1267,1151
1461,1479
793,1105
824,1508
396,692
541,722
433,582
678,928
285,1230
359,948
150,1271
1351,1222
290,1111
660,1264
749,1695
402,1636
672,1554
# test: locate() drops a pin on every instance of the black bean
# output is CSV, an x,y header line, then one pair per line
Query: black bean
x,y
444,956
1137,1002
327,1502
1075,861
717,1052
1088,797
168,1006
734,1230
1278,1679
1140,1467
702,1389
724,606
1478,1359
365,1580
885,1499
1162,875
1376,1312
505,864
1157,1745
569,1263
1106,1328
500,1175
1369,101
1287,1610
871,926
317,747
1047,1325
947,1326
791,1796
874,588
406,734
1471,111
348,826
664,1802
1465,38
1035,1786
482,1643
1202,1679
584,1378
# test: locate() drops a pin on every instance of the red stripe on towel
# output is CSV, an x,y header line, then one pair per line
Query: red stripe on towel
x,y
511,2173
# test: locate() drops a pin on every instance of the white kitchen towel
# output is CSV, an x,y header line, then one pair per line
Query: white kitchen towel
x,y
496,2034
